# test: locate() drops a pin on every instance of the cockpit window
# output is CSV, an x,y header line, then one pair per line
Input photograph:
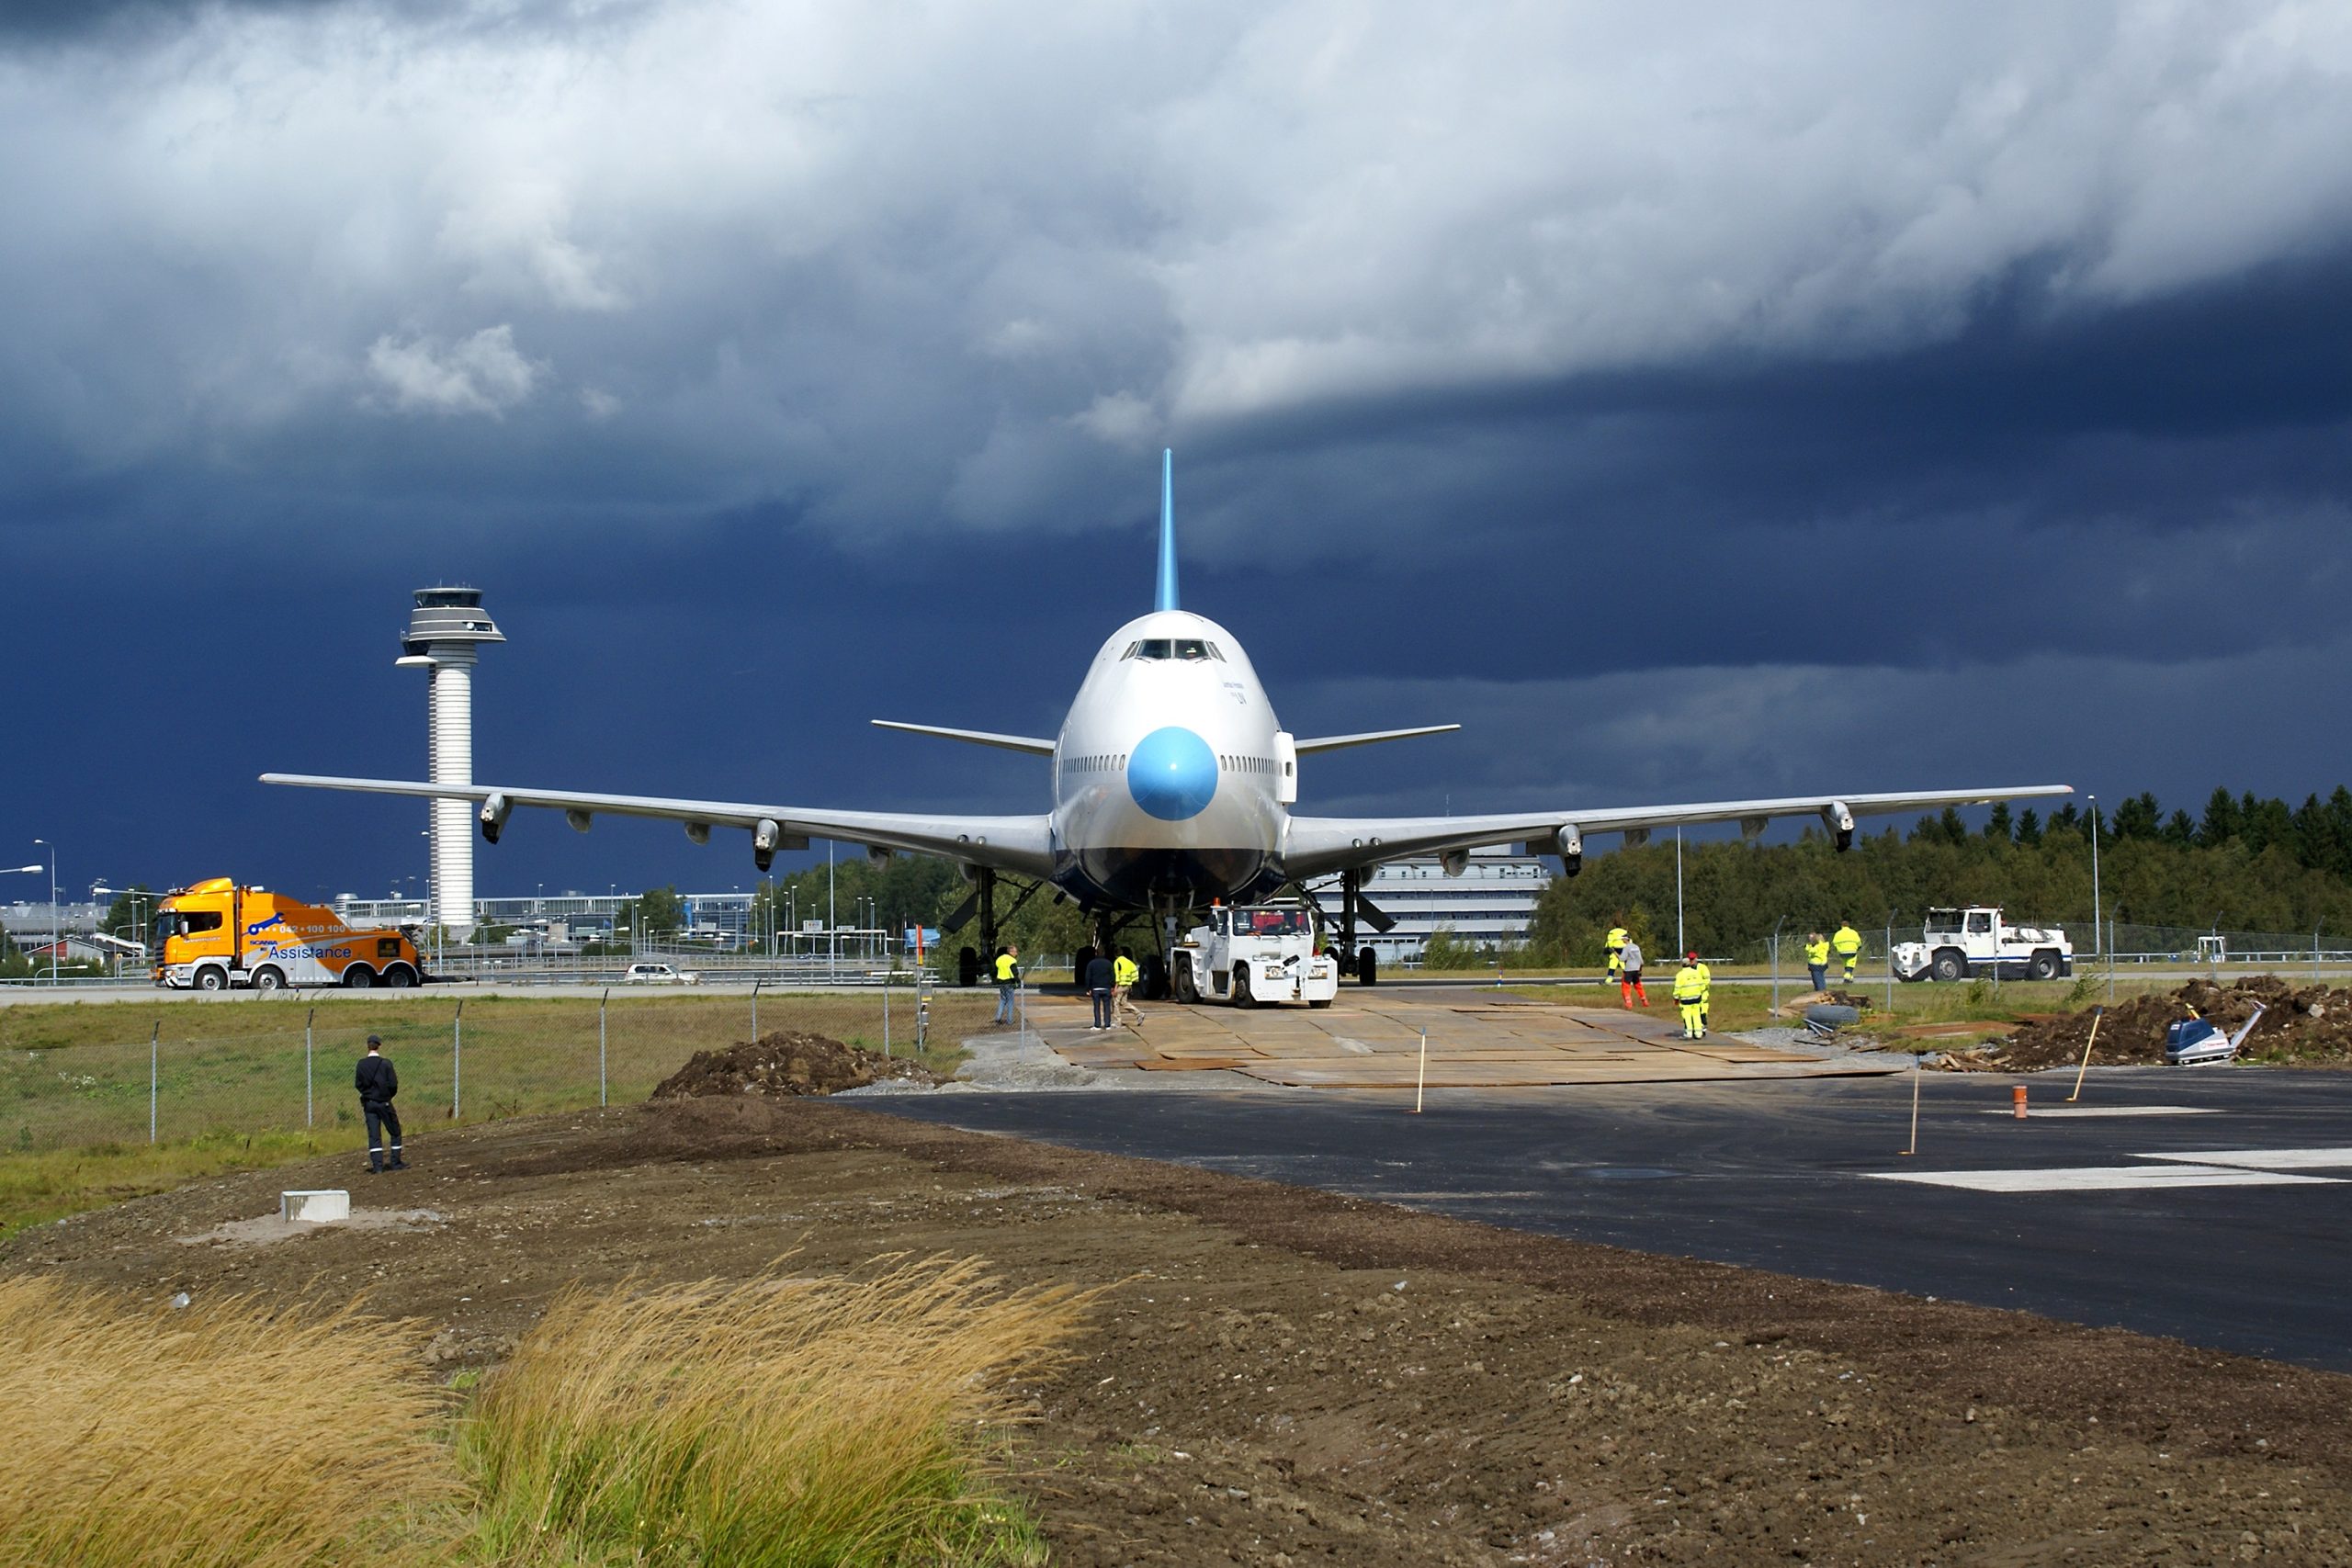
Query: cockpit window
x,y
1186,648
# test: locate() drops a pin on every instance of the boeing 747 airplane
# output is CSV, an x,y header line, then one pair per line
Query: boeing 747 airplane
x,y
1173,784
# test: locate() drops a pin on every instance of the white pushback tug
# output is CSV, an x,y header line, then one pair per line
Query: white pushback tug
x,y
1250,953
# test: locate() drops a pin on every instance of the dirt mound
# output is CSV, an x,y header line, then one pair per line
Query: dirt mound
x,y
787,1064
2305,1024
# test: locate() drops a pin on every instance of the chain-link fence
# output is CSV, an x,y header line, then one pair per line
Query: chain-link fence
x,y
123,1074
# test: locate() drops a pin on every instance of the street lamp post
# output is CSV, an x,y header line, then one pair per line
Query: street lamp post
x,y
2095,935
56,939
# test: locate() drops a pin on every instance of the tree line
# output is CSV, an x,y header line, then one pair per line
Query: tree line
x,y
2244,863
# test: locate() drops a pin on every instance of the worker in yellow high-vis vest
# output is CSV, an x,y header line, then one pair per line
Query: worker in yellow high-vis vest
x,y
1008,980
1615,945
1816,959
1848,946
1124,972
1691,984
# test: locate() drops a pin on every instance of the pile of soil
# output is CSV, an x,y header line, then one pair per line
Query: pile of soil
x,y
2304,1024
787,1064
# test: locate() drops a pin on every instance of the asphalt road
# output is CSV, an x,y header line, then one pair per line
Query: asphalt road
x,y
1790,1176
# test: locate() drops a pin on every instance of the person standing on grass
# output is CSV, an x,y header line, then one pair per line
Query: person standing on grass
x,y
1629,982
1816,959
378,1083
1099,971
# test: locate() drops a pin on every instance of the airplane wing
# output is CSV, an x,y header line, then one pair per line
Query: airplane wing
x,y
1018,844
1037,746
1321,845
1307,747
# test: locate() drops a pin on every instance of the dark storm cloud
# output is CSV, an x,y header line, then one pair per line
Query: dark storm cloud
x,y
1687,412
38,23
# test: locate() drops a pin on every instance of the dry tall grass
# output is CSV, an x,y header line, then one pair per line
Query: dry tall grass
x,y
796,1421
217,1435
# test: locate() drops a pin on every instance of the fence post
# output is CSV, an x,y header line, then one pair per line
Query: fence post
x,y
1890,968
456,1059
755,1010
886,1008
2110,963
601,1001
154,1063
308,1119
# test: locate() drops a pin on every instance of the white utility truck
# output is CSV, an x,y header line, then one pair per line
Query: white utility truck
x,y
1251,953
1959,943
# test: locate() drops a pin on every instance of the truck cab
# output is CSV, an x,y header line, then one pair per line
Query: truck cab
x,y
1961,943
1251,953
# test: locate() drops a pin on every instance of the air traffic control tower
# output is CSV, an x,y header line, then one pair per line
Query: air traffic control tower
x,y
443,632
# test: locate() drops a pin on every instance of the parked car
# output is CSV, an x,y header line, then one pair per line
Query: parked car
x,y
659,974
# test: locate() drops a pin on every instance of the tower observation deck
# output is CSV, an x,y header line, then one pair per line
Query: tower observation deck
x,y
444,630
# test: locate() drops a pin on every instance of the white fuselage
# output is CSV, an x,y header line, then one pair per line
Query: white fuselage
x,y
1166,777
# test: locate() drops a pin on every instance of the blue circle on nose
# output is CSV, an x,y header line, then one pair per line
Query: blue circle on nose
x,y
1172,773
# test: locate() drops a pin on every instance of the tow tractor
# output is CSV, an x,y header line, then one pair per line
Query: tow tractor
x,y
1252,953
1958,943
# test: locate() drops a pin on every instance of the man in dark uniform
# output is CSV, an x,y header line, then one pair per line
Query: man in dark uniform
x,y
376,1084
1100,978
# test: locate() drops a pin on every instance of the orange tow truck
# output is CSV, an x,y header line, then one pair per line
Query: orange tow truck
x,y
215,934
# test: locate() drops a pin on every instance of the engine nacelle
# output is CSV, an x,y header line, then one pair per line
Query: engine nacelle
x,y
1453,863
494,812
1569,840
1838,817
768,836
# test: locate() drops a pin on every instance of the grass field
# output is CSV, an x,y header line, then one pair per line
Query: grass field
x,y
233,1089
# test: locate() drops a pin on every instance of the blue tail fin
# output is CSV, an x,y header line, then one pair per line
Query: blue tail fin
x,y
1166,598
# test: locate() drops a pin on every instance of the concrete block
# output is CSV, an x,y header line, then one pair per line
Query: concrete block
x,y
316,1208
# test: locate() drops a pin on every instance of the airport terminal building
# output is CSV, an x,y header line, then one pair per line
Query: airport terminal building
x,y
1491,904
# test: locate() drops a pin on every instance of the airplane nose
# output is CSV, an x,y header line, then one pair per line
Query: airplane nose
x,y
1172,773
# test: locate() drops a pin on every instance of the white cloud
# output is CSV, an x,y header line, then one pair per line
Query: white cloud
x,y
1120,418
905,248
482,374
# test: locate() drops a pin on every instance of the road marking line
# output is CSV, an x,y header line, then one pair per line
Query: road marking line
x,y
2264,1159
2098,1179
2038,1114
